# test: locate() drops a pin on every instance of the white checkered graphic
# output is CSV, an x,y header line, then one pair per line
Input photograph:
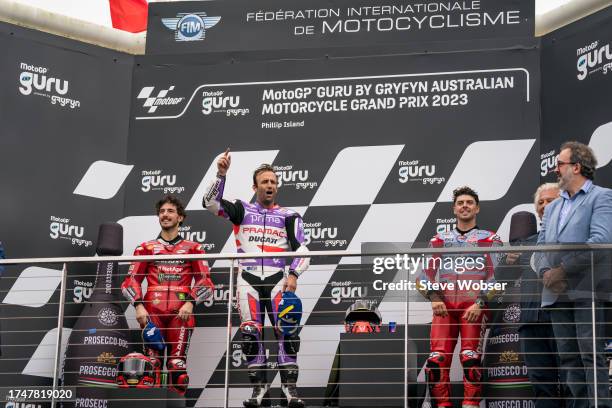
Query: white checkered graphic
x,y
138,229
504,228
238,183
103,179
380,225
480,168
368,166
347,182
601,143
41,362
34,287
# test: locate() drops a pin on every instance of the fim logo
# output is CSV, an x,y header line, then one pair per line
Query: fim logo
x,y
152,102
190,26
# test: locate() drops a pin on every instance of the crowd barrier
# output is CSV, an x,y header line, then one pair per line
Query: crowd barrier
x,y
337,369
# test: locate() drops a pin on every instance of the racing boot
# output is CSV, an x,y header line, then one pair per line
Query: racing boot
x,y
289,376
260,388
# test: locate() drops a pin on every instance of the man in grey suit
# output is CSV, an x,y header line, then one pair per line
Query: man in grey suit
x,y
575,281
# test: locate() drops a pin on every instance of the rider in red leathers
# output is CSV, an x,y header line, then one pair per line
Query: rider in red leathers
x,y
460,308
169,300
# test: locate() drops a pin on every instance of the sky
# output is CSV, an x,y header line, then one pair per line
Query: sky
x,y
97,11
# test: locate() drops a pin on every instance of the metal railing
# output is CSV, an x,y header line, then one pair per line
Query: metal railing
x,y
234,258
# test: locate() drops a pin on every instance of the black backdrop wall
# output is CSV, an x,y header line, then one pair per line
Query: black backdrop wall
x,y
368,141
576,82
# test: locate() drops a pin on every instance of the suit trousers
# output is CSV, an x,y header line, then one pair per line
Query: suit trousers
x,y
573,327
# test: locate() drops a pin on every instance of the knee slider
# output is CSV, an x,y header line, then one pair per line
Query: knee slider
x,y
292,344
179,380
433,367
250,338
470,360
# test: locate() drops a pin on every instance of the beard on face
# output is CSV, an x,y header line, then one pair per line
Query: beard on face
x,y
167,227
563,180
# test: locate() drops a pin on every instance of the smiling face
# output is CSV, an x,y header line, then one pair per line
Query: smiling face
x,y
169,218
546,197
465,209
266,188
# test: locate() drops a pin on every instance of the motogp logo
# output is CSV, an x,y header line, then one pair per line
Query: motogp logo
x,y
190,26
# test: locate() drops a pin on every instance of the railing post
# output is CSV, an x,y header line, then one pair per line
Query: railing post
x,y
58,339
229,333
406,346
594,329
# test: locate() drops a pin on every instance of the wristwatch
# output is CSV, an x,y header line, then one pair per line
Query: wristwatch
x,y
480,302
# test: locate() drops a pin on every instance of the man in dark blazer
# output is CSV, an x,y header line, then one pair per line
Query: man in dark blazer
x,y
536,333
574,281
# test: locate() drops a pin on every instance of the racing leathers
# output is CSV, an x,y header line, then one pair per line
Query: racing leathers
x,y
260,281
460,278
169,287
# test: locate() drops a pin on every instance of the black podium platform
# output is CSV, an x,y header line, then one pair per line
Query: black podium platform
x,y
147,398
371,370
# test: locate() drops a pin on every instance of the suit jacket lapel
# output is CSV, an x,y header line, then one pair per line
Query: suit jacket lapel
x,y
577,203
554,217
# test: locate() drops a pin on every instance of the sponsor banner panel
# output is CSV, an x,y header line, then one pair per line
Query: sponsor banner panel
x,y
65,123
217,26
338,144
367,150
577,81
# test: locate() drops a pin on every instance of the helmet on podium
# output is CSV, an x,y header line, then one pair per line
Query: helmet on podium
x,y
136,370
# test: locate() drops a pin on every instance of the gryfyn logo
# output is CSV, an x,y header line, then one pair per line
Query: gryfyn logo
x,y
162,98
412,170
155,180
548,162
190,26
317,233
63,229
287,176
34,79
346,291
593,58
216,101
